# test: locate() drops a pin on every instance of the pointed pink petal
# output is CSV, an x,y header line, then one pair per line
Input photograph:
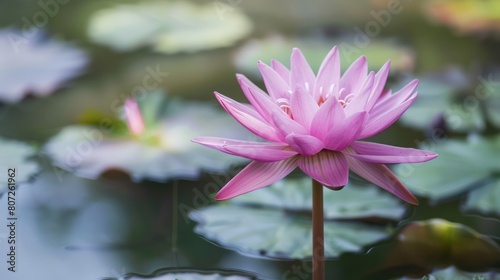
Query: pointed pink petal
x,y
328,114
134,117
379,153
343,134
393,100
285,126
256,175
248,117
281,70
379,123
359,101
260,151
306,145
328,75
378,85
275,85
303,107
259,99
301,73
327,167
354,76
381,176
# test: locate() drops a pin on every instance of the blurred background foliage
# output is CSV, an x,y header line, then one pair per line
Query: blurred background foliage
x,y
76,228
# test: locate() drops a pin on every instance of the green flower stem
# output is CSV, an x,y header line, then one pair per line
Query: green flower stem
x,y
318,259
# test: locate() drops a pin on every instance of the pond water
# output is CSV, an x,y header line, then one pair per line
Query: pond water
x,y
76,223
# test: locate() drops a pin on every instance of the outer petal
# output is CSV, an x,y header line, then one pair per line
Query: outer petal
x,y
248,117
354,76
258,98
306,145
328,114
381,176
281,70
343,134
260,151
358,103
275,85
328,75
301,73
378,85
255,176
303,106
379,123
327,167
393,100
380,153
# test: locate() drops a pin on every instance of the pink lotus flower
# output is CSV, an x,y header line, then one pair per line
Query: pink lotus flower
x,y
315,123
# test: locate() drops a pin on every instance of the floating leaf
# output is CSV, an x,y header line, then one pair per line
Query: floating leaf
x,y
279,224
464,106
168,27
467,16
377,52
485,199
353,202
165,150
31,64
455,274
442,95
16,155
188,273
461,166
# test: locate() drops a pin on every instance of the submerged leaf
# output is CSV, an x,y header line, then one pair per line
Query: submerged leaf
x,y
275,221
432,244
168,27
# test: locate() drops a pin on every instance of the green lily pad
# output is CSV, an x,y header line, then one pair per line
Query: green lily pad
x,y
164,151
462,166
485,199
353,202
442,95
456,274
467,16
188,273
279,224
16,155
377,53
169,27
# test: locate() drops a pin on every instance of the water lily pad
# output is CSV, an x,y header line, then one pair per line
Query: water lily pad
x,y
445,95
189,273
353,202
167,26
279,224
16,155
377,52
461,166
467,16
164,151
485,199
33,64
